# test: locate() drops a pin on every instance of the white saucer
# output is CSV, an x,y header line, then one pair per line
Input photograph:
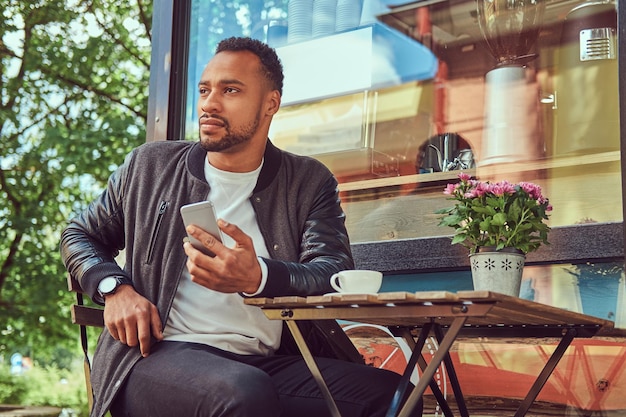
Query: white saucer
x,y
351,293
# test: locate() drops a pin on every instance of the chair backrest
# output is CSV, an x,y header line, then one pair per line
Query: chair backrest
x,y
81,314
85,316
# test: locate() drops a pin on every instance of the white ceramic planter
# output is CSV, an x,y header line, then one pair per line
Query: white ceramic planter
x,y
498,271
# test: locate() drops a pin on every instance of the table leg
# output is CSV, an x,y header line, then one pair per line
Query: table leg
x,y
405,333
454,380
441,400
546,372
310,362
396,402
429,372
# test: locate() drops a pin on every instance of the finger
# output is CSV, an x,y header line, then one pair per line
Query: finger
x,y
131,333
143,330
155,320
113,331
122,335
199,274
208,240
190,250
197,260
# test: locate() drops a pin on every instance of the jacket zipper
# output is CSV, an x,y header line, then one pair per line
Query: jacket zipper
x,y
155,232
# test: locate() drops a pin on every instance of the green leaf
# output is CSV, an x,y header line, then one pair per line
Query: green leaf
x,y
451,220
459,238
499,219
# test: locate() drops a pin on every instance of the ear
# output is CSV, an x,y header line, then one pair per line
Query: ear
x,y
272,102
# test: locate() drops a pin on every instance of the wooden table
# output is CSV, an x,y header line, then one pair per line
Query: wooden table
x,y
414,316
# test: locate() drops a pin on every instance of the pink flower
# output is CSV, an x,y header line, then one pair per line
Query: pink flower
x,y
481,189
474,214
533,190
464,177
502,188
450,189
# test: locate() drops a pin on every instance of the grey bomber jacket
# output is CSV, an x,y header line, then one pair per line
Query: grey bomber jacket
x,y
298,210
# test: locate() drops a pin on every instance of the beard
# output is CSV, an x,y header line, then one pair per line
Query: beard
x,y
231,138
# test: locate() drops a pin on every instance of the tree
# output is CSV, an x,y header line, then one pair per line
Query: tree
x,y
74,83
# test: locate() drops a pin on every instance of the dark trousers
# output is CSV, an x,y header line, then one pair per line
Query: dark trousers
x,y
187,379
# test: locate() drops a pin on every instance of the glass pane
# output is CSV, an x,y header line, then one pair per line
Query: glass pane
x,y
398,102
594,289
214,20
523,90
530,87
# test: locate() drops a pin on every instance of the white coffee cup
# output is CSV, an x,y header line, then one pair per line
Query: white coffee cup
x,y
357,281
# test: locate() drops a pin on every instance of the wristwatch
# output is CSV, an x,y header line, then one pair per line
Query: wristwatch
x,y
110,284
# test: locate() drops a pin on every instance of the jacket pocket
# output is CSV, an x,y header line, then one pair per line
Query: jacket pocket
x,y
155,231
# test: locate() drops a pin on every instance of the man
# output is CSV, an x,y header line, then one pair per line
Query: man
x,y
179,341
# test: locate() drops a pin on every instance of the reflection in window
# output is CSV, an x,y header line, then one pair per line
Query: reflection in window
x,y
214,20
597,289
546,113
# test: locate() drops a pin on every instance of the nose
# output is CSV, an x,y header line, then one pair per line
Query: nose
x,y
209,103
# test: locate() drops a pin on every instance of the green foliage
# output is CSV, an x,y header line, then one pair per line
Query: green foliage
x,y
74,86
500,215
13,389
56,388
51,386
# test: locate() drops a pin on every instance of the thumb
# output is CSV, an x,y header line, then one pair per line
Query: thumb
x,y
240,238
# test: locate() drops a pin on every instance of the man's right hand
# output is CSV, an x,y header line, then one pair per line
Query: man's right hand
x,y
132,319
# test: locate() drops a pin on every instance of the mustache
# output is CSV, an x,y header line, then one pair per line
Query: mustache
x,y
213,116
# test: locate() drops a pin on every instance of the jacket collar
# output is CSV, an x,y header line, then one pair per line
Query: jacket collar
x,y
273,158
271,165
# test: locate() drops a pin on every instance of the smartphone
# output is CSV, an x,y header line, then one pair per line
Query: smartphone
x,y
201,214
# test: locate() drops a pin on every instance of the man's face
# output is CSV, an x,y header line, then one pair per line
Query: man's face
x,y
231,103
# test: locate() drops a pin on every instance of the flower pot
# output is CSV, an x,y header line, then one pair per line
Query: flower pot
x,y
498,271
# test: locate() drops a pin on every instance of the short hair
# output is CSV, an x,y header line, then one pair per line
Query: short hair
x,y
271,66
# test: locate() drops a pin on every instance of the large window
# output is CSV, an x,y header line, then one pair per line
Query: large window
x,y
397,101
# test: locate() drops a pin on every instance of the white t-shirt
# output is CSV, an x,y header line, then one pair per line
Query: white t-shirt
x,y
222,320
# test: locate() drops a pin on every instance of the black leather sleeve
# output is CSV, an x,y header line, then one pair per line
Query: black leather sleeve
x,y
324,250
92,240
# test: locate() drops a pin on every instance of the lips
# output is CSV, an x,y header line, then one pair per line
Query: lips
x,y
211,121
210,125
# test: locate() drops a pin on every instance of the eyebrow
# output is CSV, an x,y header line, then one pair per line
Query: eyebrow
x,y
223,82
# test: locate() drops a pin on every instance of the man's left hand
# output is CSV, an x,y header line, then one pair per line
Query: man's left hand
x,y
231,270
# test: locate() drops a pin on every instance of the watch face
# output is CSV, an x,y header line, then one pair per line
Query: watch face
x,y
107,285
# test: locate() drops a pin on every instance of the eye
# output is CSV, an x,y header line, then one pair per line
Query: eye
x,y
203,90
229,90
